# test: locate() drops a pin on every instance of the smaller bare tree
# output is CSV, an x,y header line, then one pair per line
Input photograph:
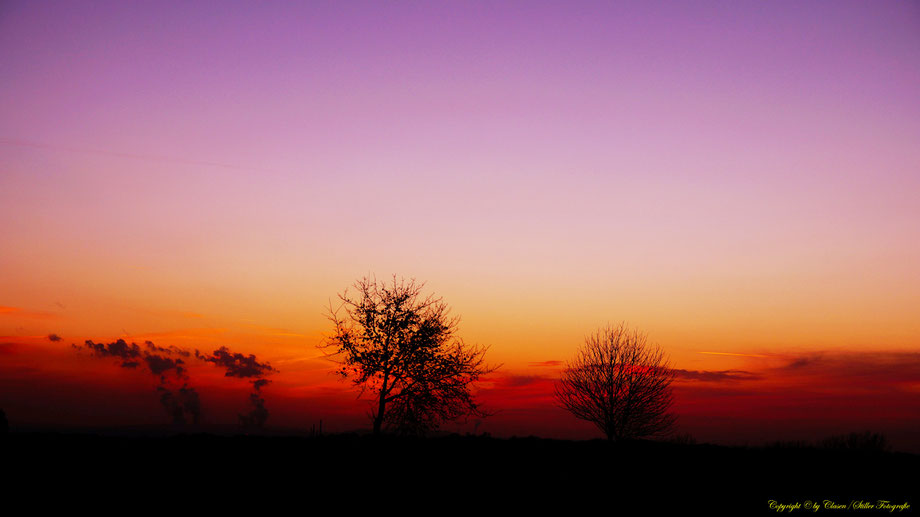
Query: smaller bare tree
x,y
620,383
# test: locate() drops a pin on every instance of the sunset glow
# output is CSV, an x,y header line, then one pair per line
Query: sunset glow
x,y
738,180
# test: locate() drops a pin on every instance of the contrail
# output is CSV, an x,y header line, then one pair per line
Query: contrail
x,y
732,353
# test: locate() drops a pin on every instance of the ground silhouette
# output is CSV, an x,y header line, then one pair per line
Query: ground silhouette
x,y
465,472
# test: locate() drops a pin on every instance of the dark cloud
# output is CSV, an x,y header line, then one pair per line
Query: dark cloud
x,y
802,362
131,355
868,369
159,364
518,381
716,376
119,349
235,364
170,350
546,364
54,338
516,390
154,348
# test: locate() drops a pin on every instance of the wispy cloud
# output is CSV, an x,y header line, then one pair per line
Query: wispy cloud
x,y
854,368
19,312
717,376
274,331
188,333
546,364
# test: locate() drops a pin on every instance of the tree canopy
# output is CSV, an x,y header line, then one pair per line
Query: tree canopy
x,y
401,348
620,383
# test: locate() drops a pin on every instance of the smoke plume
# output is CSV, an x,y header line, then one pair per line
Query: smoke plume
x,y
180,401
244,367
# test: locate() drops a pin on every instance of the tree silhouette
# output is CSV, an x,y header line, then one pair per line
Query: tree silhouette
x,y
402,348
620,383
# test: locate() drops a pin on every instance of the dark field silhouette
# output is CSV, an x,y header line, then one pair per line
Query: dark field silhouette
x,y
466,472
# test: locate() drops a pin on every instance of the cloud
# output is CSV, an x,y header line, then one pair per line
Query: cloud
x,y
546,364
275,331
197,333
802,362
119,349
236,364
159,365
22,313
734,354
244,367
506,389
716,376
830,389
167,350
518,381
868,369
153,356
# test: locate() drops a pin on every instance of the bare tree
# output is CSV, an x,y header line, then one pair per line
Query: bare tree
x,y
402,348
620,383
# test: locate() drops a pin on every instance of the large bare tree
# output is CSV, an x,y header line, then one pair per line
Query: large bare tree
x,y
402,348
620,383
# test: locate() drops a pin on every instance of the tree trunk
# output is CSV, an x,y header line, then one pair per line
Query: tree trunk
x,y
378,419
381,407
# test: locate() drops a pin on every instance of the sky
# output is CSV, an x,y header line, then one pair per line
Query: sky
x,y
739,180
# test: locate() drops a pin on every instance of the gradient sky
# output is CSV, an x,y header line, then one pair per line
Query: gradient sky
x,y
737,179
